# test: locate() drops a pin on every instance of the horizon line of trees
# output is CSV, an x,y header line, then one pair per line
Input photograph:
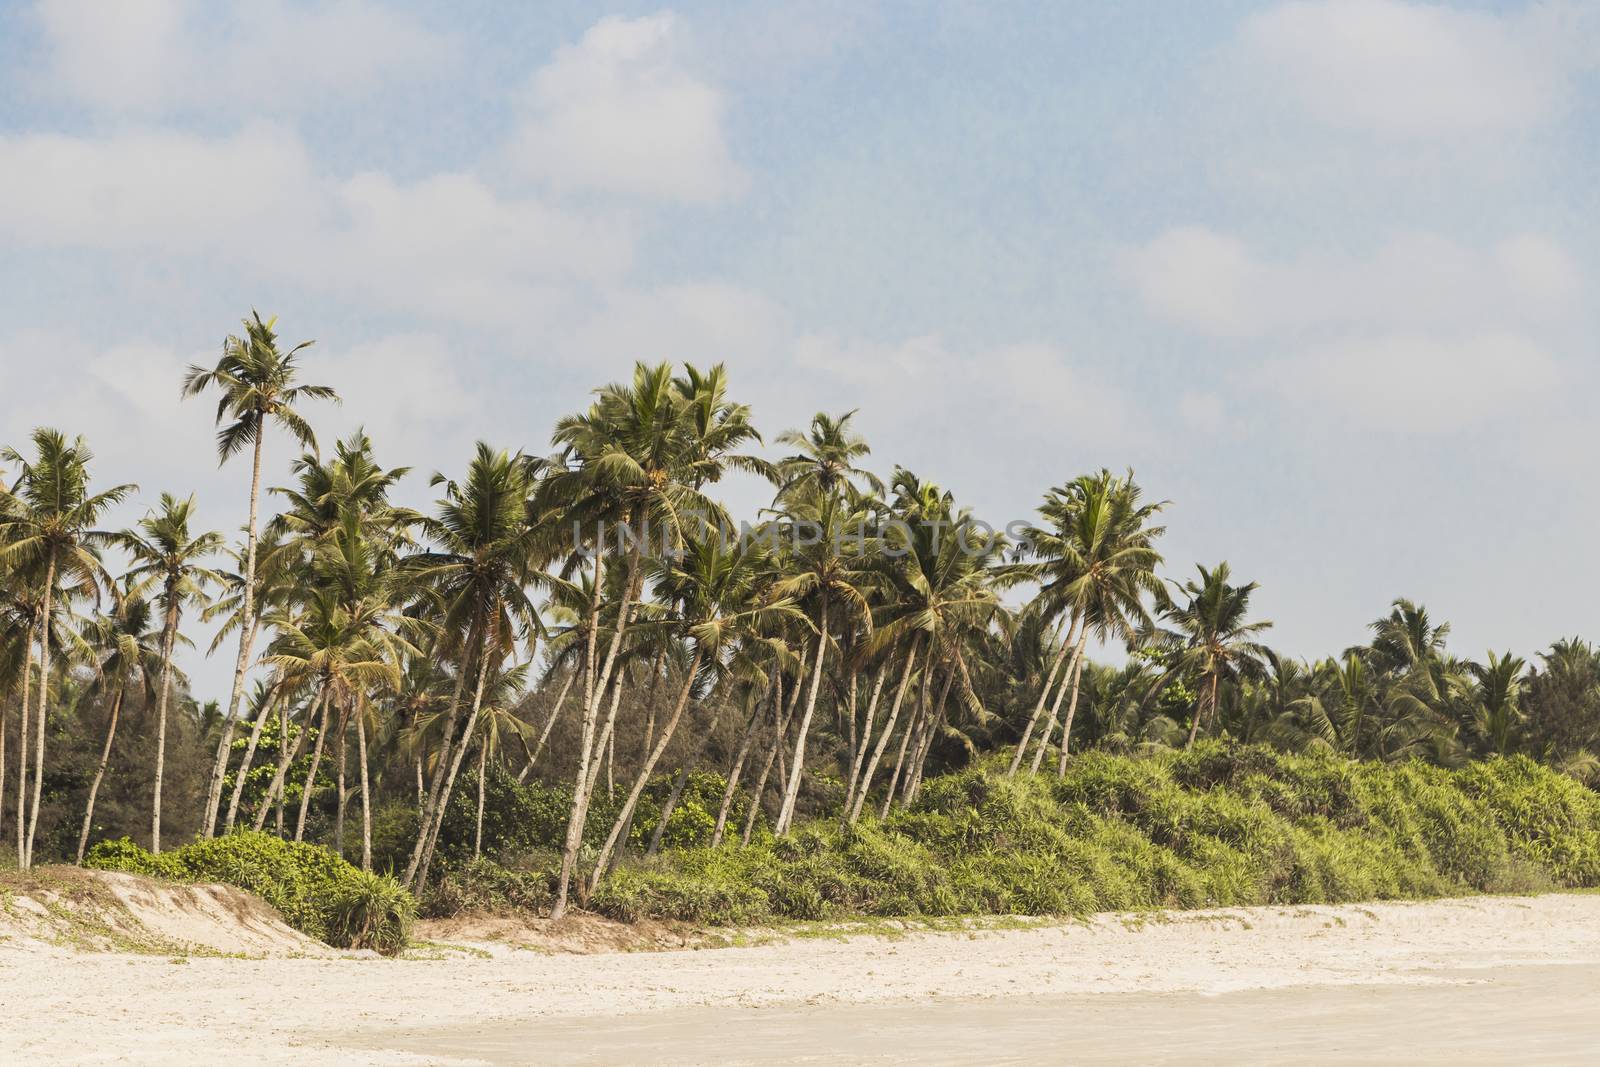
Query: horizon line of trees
x,y
379,650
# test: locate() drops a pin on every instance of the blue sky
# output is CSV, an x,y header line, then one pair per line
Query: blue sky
x,y
1321,272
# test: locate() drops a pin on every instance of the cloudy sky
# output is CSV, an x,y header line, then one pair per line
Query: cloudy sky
x,y
1322,272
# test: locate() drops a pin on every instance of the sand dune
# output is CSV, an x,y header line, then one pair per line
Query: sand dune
x,y
521,1006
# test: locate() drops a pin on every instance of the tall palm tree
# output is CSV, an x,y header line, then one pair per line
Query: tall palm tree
x,y
48,536
1212,642
166,559
824,458
257,382
635,462
721,597
485,556
129,647
1095,561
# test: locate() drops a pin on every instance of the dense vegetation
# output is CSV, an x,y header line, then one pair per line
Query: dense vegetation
x,y
576,675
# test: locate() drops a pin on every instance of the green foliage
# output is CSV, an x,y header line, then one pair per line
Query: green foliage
x,y
483,885
1219,825
317,892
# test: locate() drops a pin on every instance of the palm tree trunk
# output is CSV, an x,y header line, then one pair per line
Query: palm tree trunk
x,y
1044,694
858,757
477,833
99,772
625,816
22,750
426,819
455,763
366,792
731,788
925,742
1206,707
316,760
247,635
912,728
594,690
162,699
865,785
779,733
285,758
544,735
44,695
1055,708
250,755
792,792
338,799
422,787
1072,711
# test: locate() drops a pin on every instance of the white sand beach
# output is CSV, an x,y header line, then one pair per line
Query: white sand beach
x,y
1475,980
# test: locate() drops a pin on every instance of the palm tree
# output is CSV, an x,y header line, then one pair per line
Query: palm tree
x,y
1497,697
1096,562
128,647
636,462
257,383
485,556
721,596
825,458
1213,643
47,535
165,556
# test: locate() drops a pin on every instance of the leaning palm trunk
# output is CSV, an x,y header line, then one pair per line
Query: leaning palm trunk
x,y
858,757
912,728
1055,708
286,756
99,771
44,694
455,767
339,793
775,752
594,691
474,650
1044,695
737,770
162,699
1209,707
1072,711
544,735
792,791
625,816
250,756
366,792
865,785
925,742
247,635
311,773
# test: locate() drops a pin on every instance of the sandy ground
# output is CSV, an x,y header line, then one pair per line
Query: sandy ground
x,y
1520,975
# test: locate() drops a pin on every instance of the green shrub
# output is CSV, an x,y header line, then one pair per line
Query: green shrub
x,y
317,892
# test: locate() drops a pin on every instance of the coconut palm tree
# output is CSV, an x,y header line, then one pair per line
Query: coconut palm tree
x,y
1095,561
258,386
485,556
166,568
635,463
128,647
48,537
825,458
721,597
1497,696
1212,642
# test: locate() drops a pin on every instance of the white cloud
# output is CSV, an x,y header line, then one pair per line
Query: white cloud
x,y
151,57
621,112
1418,383
447,244
1411,70
1216,284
